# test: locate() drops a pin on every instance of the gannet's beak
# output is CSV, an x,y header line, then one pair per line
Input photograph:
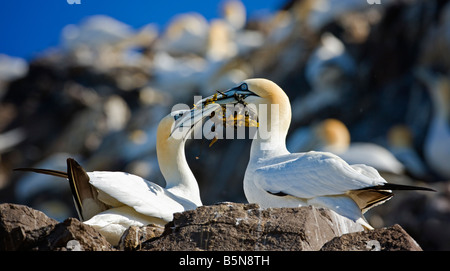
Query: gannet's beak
x,y
239,116
232,96
185,120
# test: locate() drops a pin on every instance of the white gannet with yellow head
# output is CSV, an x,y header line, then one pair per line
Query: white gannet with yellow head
x,y
332,135
113,201
277,178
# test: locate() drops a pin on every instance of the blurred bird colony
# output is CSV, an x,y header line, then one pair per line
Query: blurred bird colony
x,y
369,82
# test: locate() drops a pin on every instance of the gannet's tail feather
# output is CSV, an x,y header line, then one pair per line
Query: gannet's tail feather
x,y
79,184
85,196
369,197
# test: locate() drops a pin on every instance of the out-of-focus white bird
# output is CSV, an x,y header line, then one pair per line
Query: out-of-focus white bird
x,y
113,201
437,142
335,138
331,135
277,178
186,34
327,70
234,13
95,31
11,138
328,62
12,68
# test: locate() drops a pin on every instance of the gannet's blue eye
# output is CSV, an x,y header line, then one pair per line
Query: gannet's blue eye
x,y
244,86
177,115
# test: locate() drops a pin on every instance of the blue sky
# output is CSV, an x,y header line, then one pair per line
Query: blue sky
x,y
28,27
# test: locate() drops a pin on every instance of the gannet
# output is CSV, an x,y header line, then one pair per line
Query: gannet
x,y
186,33
328,71
437,142
234,13
112,201
277,178
332,135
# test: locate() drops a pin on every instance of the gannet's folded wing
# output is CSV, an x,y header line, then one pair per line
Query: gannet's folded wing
x,y
313,174
119,188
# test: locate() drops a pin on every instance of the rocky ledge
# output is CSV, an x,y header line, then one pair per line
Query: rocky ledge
x,y
224,226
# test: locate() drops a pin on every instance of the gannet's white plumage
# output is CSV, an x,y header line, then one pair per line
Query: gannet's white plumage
x,y
113,201
277,178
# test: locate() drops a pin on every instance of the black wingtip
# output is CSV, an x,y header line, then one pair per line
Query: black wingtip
x,y
51,172
393,186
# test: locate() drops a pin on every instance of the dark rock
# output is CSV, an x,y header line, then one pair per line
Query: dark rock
x,y
385,239
233,226
134,236
21,227
74,235
225,226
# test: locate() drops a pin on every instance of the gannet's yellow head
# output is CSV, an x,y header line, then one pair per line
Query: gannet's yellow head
x,y
166,126
166,145
333,134
266,90
174,128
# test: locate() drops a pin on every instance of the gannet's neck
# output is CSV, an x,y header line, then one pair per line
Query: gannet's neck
x,y
175,169
274,121
268,148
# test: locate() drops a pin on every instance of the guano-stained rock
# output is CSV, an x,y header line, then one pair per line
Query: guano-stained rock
x,y
234,226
